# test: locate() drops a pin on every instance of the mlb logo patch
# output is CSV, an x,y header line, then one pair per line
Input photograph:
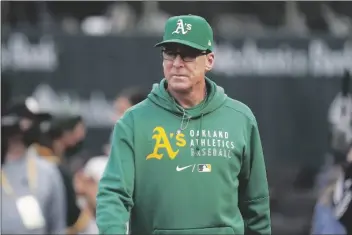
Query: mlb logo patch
x,y
204,168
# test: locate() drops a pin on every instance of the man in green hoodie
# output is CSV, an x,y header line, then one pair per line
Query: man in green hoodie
x,y
188,159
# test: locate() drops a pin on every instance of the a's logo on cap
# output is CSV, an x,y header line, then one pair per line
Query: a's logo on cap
x,y
182,27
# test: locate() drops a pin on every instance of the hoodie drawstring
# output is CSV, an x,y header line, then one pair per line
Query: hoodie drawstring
x,y
184,123
185,118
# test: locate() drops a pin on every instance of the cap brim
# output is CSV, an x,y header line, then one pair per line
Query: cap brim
x,y
183,42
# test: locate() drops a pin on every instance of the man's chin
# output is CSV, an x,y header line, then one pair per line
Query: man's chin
x,y
179,87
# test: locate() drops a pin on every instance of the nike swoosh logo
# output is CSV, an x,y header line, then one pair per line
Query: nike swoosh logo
x,y
182,168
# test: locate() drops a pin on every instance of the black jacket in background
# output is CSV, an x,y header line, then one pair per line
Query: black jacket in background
x,y
73,211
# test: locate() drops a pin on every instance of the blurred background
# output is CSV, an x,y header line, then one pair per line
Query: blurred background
x,y
290,62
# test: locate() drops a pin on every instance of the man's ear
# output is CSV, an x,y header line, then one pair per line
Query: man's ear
x,y
209,61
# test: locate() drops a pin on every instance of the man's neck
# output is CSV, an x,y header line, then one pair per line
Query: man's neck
x,y
191,99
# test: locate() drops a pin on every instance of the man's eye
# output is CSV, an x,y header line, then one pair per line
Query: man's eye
x,y
170,52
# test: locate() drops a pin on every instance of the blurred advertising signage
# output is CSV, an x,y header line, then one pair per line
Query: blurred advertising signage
x,y
291,57
19,54
96,111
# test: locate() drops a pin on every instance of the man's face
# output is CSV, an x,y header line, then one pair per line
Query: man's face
x,y
184,66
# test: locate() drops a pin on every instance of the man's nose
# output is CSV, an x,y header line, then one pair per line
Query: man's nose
x,y
178,62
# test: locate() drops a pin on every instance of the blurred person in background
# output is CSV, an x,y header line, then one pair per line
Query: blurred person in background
x,y
202,189
324,220
86,184
340,132
331,208
41,123
333,212
342,197
33,194
126,99
340,118
61,135
75,135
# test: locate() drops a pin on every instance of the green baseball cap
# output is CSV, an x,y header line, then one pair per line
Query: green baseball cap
x,y
190,30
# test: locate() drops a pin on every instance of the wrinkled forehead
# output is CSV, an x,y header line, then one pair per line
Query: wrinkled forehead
x,y
179,48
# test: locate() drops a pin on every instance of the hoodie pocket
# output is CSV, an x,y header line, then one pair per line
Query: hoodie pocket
x,y
218,230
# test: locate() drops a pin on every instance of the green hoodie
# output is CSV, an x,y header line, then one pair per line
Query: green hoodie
x,y
194,171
